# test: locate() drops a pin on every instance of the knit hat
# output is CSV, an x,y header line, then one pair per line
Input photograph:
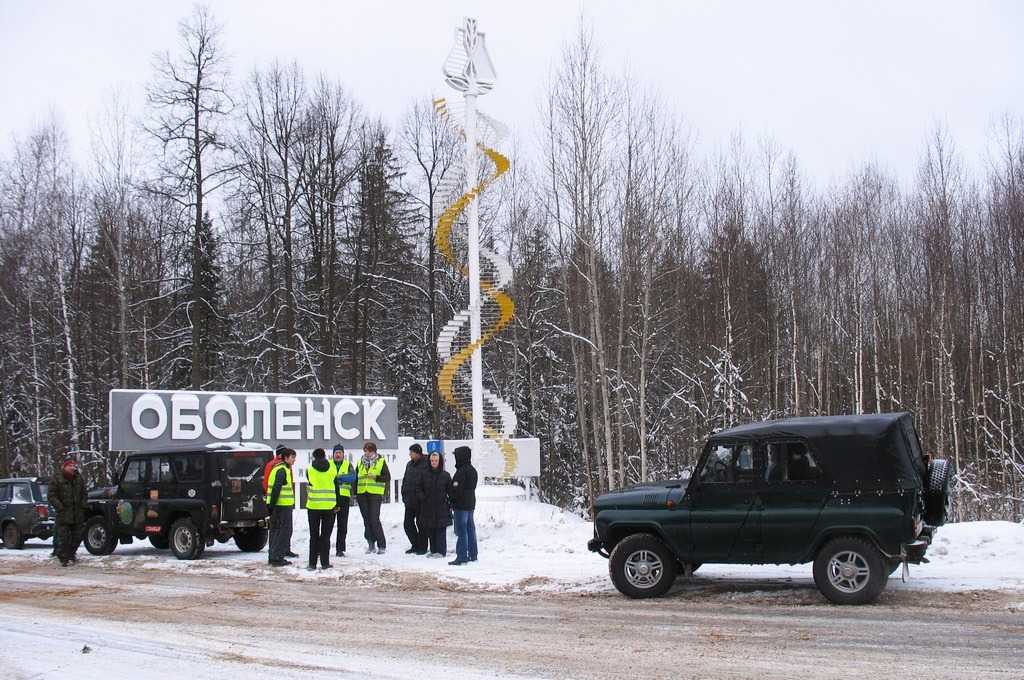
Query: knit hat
x,y
338,447
319,454
69,460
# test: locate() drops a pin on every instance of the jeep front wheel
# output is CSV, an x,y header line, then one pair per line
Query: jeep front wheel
x,y
99,539
186,543
850,571
641,566
251,540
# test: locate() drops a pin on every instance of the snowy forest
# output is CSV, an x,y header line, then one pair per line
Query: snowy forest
x,y
259,231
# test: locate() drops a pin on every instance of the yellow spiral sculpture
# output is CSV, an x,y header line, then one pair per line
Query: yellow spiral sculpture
x,y
500,421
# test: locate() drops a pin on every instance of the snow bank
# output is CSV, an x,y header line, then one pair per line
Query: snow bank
x,y
527,546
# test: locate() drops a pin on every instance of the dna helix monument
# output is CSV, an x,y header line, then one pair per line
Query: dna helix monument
x,y
468,69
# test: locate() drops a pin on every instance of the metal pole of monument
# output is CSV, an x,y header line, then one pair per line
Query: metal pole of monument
x,y
473,239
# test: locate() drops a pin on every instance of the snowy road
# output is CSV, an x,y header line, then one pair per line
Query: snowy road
x,y
158,624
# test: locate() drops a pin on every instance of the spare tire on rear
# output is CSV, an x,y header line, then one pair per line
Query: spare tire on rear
x,y
936,492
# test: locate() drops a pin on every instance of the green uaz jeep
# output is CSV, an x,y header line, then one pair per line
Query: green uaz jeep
x,y
855,495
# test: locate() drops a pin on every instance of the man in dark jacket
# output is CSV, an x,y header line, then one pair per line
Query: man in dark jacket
x,y
68,496
463,498
414,469
434,509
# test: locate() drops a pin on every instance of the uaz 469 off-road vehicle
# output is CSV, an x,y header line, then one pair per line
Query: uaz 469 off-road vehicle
x,y
183,499
853,494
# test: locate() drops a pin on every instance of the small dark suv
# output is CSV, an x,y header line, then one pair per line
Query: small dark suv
x,y
183,499
24,511
855,495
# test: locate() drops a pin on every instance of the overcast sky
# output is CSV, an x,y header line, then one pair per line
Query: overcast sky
x,y
837,82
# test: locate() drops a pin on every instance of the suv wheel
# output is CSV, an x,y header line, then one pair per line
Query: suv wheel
x,y
641,566
936,494
251,540
186,543
160,541
99,539
13,537
850,571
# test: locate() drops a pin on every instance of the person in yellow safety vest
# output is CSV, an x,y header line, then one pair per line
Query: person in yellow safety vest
x,y
344,481
281,501
373,477
321,505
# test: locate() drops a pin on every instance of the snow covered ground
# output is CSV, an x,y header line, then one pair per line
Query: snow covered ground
x,y
528,546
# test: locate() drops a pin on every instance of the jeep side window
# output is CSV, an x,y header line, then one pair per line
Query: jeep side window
x,y
22,494
190,468
160,471
728,463
718,466
135,472
5,493
792,462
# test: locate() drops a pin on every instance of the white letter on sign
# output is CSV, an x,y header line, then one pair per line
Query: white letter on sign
x,y
288,426
341,409
149,402
252,405
315,419
185,425
221,403
372,411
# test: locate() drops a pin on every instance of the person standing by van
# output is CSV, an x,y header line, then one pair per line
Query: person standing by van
x,y
343,482
68,496
435,511
321,505
373,477
281,501
463,504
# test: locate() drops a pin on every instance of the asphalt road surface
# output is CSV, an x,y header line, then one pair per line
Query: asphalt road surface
x,y
172,623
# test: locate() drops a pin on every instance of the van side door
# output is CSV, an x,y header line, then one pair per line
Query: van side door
x,y
791,499
722,526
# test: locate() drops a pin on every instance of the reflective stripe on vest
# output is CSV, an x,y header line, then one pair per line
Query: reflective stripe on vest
x,y
286,498
321,493
365,483
344,489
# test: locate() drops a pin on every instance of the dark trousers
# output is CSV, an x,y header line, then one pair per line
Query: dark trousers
x,y
321,526
369,508
417,535
342,520
280,533
465,535
438,539
69,536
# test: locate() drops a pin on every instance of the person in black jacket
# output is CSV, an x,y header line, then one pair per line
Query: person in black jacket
x,y
414,469
432,492
463,496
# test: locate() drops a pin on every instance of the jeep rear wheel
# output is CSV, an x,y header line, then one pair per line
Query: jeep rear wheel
x,y
99,539
850,570
186,543
936,493
251,540
13,537
641,566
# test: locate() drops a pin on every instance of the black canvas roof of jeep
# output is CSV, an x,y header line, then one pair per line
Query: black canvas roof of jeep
x,y
866,451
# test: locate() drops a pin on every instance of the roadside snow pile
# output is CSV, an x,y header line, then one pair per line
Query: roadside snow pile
x,y
973,555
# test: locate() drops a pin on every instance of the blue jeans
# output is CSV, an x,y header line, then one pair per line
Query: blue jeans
x,y
465,532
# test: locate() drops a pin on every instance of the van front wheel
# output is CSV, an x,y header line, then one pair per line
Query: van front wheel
x,y
641,566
